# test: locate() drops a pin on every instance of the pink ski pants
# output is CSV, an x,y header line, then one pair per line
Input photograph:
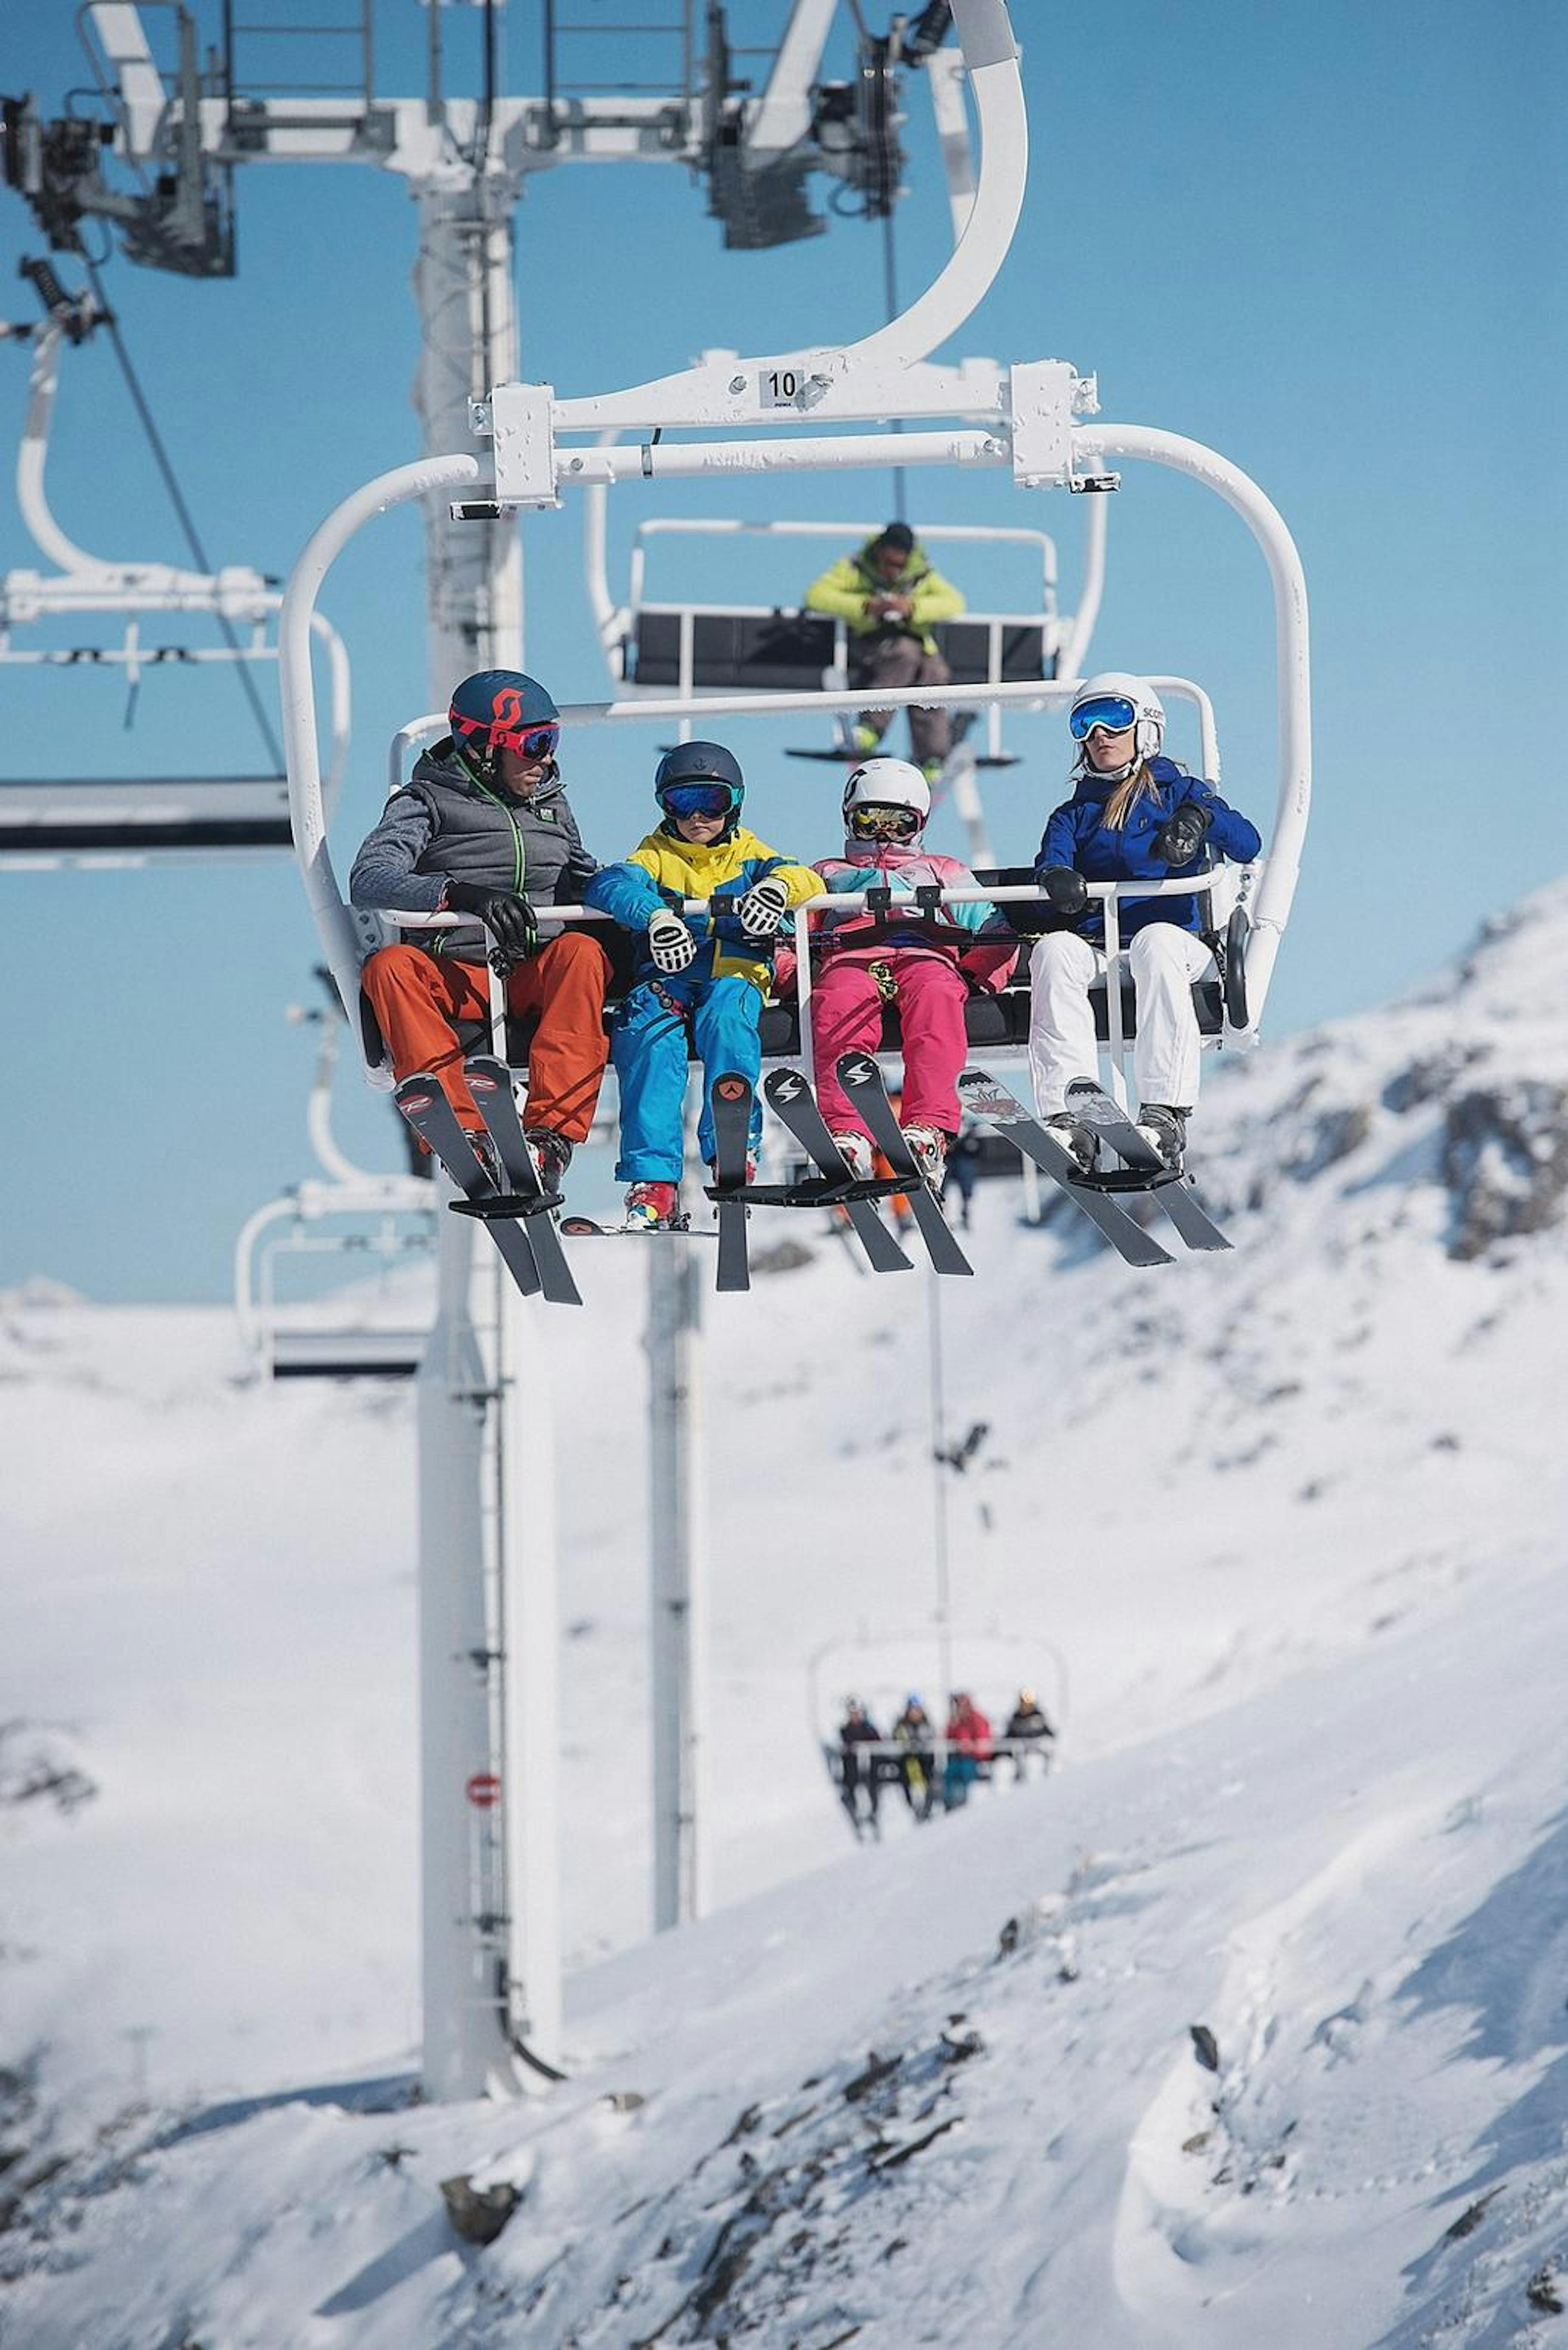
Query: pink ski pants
x,y
846,1017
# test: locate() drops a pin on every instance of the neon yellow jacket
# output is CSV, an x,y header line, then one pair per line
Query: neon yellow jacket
x,y
845,586
663,868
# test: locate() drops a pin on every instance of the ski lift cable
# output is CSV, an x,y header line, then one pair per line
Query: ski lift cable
x,y
177,497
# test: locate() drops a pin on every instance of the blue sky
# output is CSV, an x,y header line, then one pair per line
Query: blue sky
x,y
1330,246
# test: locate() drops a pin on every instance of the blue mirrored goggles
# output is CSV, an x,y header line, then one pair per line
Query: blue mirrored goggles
x,y
698,799
1111,711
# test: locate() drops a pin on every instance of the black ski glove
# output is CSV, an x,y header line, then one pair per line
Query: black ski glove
x,y
1182,834
1066,895
1066,889
508,917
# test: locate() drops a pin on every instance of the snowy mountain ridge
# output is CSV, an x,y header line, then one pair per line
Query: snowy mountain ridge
x,y
1289,1518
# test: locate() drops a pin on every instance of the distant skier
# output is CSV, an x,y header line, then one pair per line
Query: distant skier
x,y
708,972
889,597
860,1773
483,827
1134,816
962,1173
968,1751
1028,1732
912,1731
865,961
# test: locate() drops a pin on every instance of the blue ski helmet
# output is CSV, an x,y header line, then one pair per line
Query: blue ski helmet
x,y
502,710
687,769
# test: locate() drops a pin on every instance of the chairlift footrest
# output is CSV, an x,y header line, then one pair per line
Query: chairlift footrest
x,y
811,1191
1125,1179
507,1207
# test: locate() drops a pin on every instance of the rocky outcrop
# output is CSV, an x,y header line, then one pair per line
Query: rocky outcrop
x,y
1505,1162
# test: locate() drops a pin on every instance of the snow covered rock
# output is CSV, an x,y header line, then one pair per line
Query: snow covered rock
x,y
1505,1161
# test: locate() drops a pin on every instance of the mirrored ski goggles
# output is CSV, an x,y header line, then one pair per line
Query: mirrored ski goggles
x,y
883,822
1111,711
528,743
697,799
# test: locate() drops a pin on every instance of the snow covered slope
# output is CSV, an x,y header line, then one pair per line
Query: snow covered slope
x,y
1284,1521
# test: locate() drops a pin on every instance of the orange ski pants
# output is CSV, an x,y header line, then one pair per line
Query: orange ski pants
x,y
417,998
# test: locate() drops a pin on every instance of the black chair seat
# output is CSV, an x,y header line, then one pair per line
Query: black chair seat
x,y
790,653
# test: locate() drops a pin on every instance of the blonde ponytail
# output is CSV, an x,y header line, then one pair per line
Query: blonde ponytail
x,y
1119,806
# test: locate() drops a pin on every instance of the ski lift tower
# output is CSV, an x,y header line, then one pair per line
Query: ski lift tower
x,y
157,163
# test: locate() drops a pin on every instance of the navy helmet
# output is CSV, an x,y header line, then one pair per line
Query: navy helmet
x,y
701,779
502,710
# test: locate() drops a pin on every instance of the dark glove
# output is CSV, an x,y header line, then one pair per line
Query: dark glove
x,y
1067,889
509,918
1066,895
1181,835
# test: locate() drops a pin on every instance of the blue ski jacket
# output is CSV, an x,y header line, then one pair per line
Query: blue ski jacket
x,y
664,871
1076,833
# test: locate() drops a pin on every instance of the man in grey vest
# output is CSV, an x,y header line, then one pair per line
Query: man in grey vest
x,y
483,827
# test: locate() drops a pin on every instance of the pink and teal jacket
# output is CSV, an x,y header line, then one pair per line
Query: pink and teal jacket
x,y
878,865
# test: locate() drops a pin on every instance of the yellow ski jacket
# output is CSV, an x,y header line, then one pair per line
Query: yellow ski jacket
x,y
663,868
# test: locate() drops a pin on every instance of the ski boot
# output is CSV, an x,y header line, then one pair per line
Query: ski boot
x,y
484,1148
653,1206
929,1147
856,1152
552,1156
863,740
1164,1127
1075,1139
750,1167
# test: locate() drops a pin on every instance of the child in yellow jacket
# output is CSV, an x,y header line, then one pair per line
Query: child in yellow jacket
x,y
710,971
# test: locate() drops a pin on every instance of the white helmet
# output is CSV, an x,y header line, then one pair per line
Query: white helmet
x,y
1127,700
887,783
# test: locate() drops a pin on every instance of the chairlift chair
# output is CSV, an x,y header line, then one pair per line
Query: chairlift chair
x,y
881,1667
325,1221
118,822
1033,418
694,649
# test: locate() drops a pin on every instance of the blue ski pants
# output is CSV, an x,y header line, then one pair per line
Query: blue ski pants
x,y
649,1051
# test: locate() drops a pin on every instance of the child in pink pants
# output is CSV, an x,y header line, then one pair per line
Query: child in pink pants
x,y
865,960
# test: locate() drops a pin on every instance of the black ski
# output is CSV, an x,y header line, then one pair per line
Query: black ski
x,y
862,1081
1093,1107
490,1081
429,1114
983,1098
732,1099
790,1099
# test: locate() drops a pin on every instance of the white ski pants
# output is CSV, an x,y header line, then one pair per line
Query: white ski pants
x,y
1164,961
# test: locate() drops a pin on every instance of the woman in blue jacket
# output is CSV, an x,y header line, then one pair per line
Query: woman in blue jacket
x,y
1134,816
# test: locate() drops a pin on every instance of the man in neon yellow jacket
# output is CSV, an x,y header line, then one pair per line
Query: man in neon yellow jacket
x,y
889,597
708,971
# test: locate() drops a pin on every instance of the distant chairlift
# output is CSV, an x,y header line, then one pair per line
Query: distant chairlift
x,y
66,821
882,1668
687,649
367,1224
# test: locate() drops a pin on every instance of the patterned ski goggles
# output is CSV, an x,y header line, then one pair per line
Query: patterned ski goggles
x,y
883,821
697,799
1111,711
528,742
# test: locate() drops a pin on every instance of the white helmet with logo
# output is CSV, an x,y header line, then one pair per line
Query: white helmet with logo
x,y
887,783
1114,698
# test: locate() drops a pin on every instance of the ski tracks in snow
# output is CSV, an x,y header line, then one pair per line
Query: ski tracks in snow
x,y
1228,2137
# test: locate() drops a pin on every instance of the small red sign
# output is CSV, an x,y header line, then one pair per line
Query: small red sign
x,y
483,1790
